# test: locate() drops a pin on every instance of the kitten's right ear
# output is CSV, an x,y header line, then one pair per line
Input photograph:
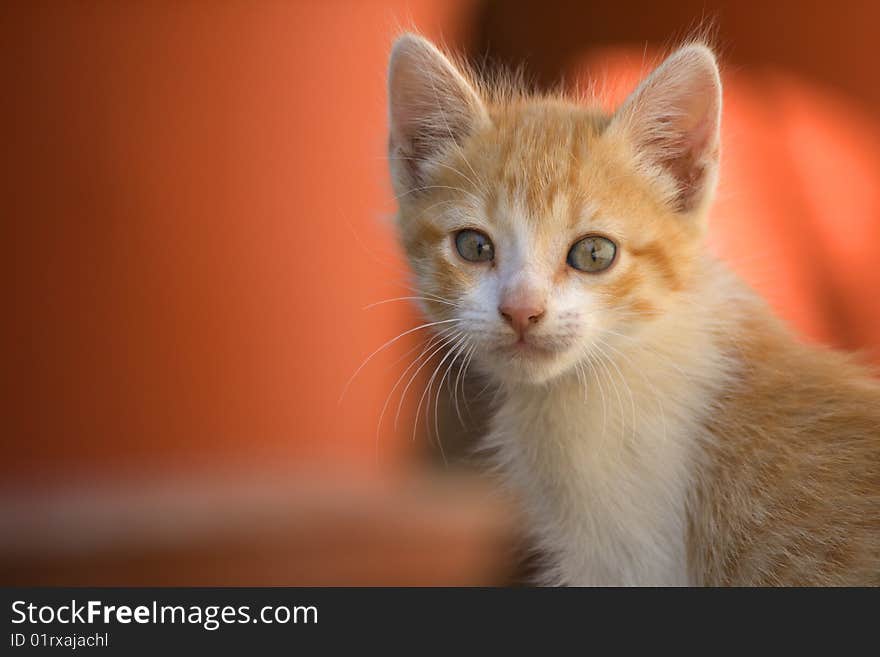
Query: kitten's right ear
x,y
673,120
431,106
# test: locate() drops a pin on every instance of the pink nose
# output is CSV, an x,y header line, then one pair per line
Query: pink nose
x,y
521,316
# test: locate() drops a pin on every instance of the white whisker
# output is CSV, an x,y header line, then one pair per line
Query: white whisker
x,y
427,388
464,363
625,385
385,346
598,381
654,391
408,298
425,188
437,349
456,350
439,337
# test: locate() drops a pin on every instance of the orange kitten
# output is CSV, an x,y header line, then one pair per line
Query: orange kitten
x,y
658,424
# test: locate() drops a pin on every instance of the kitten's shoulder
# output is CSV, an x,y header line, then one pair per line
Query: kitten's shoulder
x,y
794,461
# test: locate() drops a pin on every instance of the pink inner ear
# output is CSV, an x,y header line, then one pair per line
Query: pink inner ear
x,y
697,152
695,147
673,118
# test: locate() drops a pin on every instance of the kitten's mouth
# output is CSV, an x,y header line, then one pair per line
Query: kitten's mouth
x,y
524,348
528,360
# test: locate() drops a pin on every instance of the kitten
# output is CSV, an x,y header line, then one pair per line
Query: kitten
x,y
658,424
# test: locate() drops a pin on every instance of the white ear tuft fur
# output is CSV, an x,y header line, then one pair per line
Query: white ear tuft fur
x,y
431,106
673,119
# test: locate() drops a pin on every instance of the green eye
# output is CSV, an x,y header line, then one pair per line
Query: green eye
x,y
474,246
592,254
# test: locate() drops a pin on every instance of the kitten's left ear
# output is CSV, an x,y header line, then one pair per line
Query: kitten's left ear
x,y
673,120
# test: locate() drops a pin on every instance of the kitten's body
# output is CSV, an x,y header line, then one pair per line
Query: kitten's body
x,y
789,492
659,425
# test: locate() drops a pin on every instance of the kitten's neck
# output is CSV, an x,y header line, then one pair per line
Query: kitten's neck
x,y
603,457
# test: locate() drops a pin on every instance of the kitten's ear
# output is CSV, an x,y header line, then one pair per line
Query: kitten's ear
x,y
431,106
673,119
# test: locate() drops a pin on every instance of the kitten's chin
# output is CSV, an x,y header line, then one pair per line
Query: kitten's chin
x,y
527,365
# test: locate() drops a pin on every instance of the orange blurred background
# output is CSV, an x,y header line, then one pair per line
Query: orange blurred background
x,y
197,212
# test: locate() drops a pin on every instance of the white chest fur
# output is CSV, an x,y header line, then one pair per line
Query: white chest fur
x,y
604,463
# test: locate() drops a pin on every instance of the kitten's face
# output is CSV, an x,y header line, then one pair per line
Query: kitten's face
x,y
540,227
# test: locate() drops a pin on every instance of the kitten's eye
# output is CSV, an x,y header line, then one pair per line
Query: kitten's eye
x,y
474,246
592,254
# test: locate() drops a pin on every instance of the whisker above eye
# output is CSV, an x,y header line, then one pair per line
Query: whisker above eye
x,y
447,201
409,298
448,187
440,164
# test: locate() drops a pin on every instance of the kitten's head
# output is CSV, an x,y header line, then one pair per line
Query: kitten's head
x,y
542,227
